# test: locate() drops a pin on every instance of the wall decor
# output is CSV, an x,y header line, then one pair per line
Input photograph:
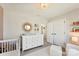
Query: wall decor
x,y
27,26
36,27
43,28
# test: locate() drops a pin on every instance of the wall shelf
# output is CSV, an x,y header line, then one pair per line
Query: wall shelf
x,y
75,26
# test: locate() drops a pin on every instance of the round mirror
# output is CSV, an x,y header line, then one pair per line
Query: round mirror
x,y
27,27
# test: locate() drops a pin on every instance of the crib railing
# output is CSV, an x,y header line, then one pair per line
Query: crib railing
x,y
10,47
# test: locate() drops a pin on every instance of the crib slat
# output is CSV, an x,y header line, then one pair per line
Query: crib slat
x,y
2,47
15,45
12,45
7,47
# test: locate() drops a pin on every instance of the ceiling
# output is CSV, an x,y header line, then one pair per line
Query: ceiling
x,y
33,9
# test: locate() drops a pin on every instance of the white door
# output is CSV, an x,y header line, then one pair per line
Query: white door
x,y
50,32
57,29
59,32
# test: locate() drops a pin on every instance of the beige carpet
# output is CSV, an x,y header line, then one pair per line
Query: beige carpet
x,y
41,52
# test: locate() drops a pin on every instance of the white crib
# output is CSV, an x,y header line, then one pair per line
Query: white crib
x,y
10,47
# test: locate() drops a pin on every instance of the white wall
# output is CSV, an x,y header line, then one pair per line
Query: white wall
x,y
70,17
13,22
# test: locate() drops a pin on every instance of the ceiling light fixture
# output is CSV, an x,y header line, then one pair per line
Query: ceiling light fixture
x,y
44,5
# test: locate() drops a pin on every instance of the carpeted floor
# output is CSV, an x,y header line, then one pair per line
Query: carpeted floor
x,y
40,51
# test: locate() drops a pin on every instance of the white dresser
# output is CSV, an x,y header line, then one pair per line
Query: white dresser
x,y
31,41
